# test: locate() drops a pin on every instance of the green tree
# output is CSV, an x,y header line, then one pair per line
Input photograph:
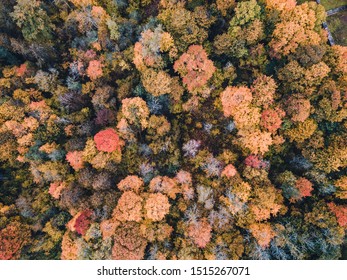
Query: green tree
x,y
32,20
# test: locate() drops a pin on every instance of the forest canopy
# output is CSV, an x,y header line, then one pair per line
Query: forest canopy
x,y
171,129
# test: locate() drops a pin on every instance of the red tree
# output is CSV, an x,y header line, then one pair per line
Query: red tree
x,y
304,186
340,213
271,119
194,67
108,141
12,238
80,222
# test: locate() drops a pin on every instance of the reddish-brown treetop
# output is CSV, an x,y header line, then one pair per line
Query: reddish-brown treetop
x,y
108,140
194,67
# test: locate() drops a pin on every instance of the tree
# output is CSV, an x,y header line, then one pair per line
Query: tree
x,y
337,58
131,183
12,239
304,186
129,207
237,102
147,52
233,98
135,111
108,141
296,28
229,171
165,185
80,222
108,228
302,131
187,27
200,232
280,5
266,201
303,80
340,212
263,233
94,69
225,5
56,188
34,22
298,108
195,68
69,247
156,206
156,82
271,119
255,162
128,243
256,142
263,90
341,185
158,126
75,159
245,13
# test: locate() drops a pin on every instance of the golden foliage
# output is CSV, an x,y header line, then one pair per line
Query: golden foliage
x,y
128,243
225,5
131,183
129,207
136,112
266,201
341,185
295,29
302,131
157,206
233,98
156,82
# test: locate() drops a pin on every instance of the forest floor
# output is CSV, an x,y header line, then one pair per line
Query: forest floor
x,y
337,21
332,4
337,25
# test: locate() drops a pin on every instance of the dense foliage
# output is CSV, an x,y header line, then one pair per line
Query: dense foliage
x,y
171,129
